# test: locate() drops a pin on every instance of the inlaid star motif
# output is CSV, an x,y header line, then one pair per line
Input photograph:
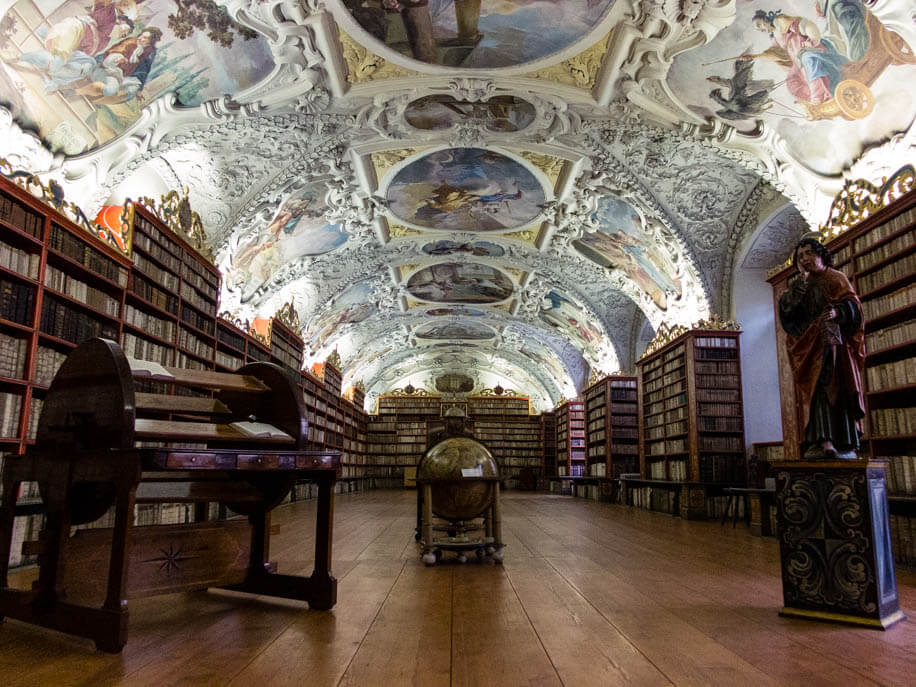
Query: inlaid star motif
x,y
170,561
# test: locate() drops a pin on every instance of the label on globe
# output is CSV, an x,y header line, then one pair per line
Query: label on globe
x,y
472,472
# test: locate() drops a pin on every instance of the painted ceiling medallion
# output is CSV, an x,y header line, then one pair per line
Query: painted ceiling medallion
x,y
81,75
455,312
481,35
477,248
504,113
465,189
460,283
465,331
454,383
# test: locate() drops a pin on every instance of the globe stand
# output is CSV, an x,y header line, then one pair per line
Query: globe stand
x,y
485,540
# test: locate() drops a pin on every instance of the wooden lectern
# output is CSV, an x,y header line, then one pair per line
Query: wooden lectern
x,y
118,432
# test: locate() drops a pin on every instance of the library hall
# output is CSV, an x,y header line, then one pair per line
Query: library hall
x,y
457,343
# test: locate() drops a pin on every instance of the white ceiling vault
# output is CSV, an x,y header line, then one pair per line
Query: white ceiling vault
x,y
514,192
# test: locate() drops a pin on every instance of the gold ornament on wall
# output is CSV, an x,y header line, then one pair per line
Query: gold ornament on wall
x,y
334,360
399,231
860,199
550,165
580,71
364,66
174,210
385,160
409,390
526,235
666,334
288,315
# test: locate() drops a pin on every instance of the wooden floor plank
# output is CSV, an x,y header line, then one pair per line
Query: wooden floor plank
x,y
590,594
409,642
585,648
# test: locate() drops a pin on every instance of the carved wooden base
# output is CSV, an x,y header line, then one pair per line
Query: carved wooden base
x,y
834,543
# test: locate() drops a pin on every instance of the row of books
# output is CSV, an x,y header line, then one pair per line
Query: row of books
x,y
191,343
17,301
903,533
716,354
147,244
13,351
661,379
720,381
719,409
10,406
891,375
901,474
665,447
715,342
879,233
35,407
144,349
17,214
190,295
628,394
197,320
81,291
60,319
152,325
716,367
647,498
153,294
19,261
47,363
152,270
720,424
228,361
885,251
74,248
901,298
714,443
200,277
658,391
895,335
888,274
891,422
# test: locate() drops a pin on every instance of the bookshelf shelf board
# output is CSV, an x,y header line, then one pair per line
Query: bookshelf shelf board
x,y
13,274
884,262
64,261
888,286
83,306
886,239
20,234
15,325
159,311
903,393
890,353
197,332
13,381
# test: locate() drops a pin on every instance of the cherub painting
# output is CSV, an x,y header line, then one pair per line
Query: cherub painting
x,y
80,71
354,305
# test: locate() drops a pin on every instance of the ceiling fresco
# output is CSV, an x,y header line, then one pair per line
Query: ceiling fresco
x,y
80,73
457,195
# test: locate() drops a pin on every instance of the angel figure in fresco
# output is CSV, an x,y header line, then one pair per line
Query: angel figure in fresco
x,y
830,74
70,47
283,223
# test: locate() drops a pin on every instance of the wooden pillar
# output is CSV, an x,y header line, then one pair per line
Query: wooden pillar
x,y
835,542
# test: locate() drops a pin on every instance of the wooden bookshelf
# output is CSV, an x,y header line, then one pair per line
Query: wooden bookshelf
x,y
504,425
691,415
571,457
549,444
612,433
879,256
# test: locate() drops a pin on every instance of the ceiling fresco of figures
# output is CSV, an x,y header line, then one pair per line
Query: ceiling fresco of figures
x,y
475,34
459,195
465,189
825,74
79,73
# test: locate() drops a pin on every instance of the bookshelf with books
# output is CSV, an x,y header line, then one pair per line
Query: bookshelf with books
x,y
612,434
878,254
548,423
571,457
504,425
397,435
691,416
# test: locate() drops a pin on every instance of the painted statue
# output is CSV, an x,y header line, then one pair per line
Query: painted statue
x,y
822,316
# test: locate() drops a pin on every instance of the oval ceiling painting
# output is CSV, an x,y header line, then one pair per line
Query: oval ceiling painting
x,y
453,283
465,189
475,34
296,230
455,312
484,249
621,242
454,383
561,313
456,330
79,73
500,113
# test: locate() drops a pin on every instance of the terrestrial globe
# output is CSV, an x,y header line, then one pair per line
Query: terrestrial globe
x,y
466,497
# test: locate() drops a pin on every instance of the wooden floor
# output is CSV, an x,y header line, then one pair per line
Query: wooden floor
x,y
590,594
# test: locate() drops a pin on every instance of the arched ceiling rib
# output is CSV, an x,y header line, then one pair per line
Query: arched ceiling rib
x,y
508,198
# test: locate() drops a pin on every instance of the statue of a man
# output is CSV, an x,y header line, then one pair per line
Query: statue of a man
x,y
822,316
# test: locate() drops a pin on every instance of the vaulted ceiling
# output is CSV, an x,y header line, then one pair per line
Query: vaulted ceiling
x,y
466,194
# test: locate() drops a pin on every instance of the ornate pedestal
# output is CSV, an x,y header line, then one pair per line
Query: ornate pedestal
x,y
834,542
